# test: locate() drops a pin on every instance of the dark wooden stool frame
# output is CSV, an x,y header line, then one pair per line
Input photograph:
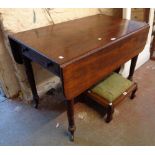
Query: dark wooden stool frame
x,y
110,106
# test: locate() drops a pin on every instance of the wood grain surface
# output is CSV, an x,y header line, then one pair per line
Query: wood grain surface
x,y
82,51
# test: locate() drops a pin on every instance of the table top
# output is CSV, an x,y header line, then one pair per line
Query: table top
x,y
65,42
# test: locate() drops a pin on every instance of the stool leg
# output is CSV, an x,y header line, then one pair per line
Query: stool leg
x,y
110,111
133,94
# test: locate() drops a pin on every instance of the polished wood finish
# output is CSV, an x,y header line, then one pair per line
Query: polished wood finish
x,y
110,106
78,42
101,63
76,38
81,52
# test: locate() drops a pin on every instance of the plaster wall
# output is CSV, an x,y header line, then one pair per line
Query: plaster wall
x,y
8,80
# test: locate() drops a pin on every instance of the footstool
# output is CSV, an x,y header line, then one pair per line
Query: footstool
x,y
111,91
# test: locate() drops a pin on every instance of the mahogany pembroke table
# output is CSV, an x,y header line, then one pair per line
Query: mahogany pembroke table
x,y
81,52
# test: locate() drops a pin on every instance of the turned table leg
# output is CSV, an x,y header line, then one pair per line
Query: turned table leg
x,y
132,67
30,77
70,114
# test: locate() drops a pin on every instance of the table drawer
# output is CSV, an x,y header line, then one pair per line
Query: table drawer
x,y
43,61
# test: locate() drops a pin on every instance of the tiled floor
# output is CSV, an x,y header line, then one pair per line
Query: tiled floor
x,y
133,123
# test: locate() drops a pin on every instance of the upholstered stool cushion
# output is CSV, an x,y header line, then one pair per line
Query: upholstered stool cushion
x,y
112,87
